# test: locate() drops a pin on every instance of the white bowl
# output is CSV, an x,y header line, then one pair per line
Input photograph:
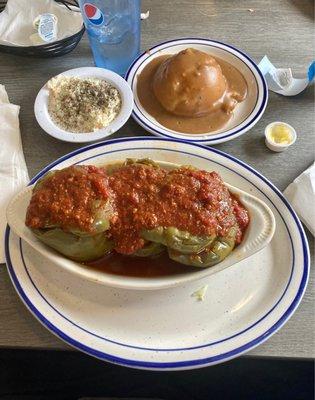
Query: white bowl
x,y
257,236
246,114
47,124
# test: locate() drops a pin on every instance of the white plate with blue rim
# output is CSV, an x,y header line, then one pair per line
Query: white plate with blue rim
x,y
245,115
170,329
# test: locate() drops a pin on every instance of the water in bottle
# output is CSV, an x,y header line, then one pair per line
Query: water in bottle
x,y
113,28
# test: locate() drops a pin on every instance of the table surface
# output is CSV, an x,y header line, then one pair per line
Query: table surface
x,y
282,30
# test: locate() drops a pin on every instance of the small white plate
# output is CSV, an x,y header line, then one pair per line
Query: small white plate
x,y
169,329
246,114
47,124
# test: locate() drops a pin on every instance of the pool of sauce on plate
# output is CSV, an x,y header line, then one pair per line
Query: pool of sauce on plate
x,y
192,125
118,264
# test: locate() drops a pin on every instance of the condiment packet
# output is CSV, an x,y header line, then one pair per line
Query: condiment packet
x,y
301,194
281,80
17,22
13,171
47,27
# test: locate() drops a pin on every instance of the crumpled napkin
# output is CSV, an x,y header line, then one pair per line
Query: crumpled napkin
x,y
145,15
281,80
301,194
16,21
13,171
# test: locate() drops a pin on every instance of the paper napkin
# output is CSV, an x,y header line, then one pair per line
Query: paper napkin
x,y
17,21
281,80
13,171
301,194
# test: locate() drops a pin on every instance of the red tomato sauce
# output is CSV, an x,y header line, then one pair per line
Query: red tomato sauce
x,y
143,197
65,199
191,200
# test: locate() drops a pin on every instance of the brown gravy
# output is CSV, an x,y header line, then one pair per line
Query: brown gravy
x,y
118,264
197,125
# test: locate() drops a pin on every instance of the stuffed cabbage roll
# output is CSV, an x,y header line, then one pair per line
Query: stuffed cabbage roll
x,y
219,249
176,239
137,208
70,210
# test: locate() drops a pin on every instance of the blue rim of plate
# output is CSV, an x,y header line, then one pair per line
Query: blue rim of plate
x,y
168,365
208,140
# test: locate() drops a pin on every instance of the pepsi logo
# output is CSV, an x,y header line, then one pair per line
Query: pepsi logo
x,y
93,14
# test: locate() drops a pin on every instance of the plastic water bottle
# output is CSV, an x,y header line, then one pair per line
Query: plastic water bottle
x,y
113,28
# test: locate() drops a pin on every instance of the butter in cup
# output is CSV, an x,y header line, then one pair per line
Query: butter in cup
x,y
279,136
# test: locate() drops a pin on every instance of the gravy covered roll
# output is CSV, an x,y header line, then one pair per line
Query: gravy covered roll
x,y
190,83
191,91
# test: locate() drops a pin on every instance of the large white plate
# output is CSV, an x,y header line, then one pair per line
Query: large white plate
x,y
169,329
245,115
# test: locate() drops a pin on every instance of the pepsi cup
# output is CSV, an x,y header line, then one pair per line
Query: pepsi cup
x,y
113,28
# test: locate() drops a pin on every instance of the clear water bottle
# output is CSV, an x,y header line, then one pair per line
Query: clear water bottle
x,y
113,28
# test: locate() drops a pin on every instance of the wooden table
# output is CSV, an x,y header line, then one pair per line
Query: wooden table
x,y
282,30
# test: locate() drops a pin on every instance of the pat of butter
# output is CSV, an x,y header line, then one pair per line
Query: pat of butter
x,y
280,134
